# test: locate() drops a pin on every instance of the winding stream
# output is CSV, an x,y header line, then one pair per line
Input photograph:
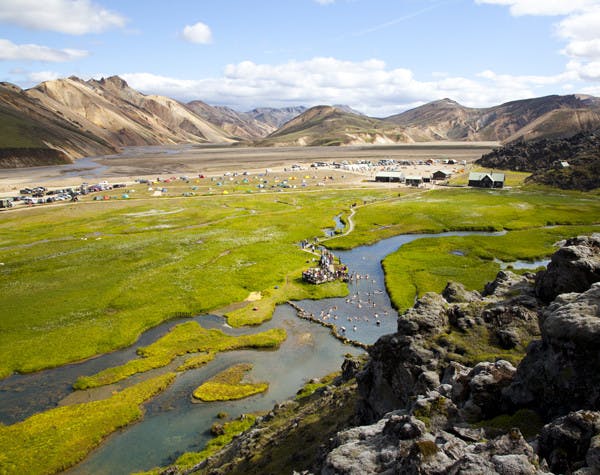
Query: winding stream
x,y
172,423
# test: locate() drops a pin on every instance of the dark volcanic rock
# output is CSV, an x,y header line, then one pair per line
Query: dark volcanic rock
x,y
401,444
560,373
399,363
573,268
486,382
545,158
571,441
455,292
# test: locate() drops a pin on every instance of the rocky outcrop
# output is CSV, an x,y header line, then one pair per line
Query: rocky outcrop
x,y
391,382
573,268
400,443
438,330
560,372
572,442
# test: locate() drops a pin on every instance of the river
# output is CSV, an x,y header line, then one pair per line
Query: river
x,y
172,423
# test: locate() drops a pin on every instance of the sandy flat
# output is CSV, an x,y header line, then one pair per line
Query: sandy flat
x,y
192,160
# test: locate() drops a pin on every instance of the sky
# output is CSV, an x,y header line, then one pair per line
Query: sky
x,y
380,57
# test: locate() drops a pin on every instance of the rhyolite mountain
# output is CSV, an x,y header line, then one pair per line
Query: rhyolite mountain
x,y
542,117
64,119
331,125
444,120
32,134
71,118
241,125
276,117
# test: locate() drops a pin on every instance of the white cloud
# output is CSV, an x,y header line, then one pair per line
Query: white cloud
x,y
579,27
74,17
541,7
197,33
10,51
583,26
583,49
325,2
369,86
41,76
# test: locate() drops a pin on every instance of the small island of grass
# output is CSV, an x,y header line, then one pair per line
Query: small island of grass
x,y
187,337
228,385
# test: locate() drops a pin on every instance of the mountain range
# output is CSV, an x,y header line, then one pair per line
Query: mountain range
x,y
64,119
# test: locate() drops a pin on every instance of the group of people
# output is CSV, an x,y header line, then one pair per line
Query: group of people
x,y
327,270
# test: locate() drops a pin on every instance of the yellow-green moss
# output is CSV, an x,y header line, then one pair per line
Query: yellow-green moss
x,y
227,385
54,440
230,430
475,346
197,361
427,448
259,311
309,388
187,337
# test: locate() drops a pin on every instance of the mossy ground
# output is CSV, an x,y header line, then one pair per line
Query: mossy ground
x,y
527,421
54,440
256,312
103,272
309,388
229,385
187,337
291,440
426,265
469,210
476,345
197,361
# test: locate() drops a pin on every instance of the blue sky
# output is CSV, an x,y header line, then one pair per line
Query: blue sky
x,y
378,56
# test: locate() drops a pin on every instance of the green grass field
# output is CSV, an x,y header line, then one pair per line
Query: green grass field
x,y
80,280
187,337
470,210
84,279
426,265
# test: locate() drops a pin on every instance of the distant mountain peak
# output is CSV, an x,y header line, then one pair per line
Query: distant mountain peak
x,y
347,108
446,101
114,81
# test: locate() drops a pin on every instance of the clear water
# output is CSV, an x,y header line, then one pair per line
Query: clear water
x,y
523,264
173,424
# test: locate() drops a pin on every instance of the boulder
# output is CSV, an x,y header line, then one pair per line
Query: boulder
x,y
401,444
486,382
571,442
507,284
573,268
455,292
427,317
560,373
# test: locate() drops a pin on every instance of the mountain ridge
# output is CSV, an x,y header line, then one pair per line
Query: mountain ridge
x,y
96,117
444,120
